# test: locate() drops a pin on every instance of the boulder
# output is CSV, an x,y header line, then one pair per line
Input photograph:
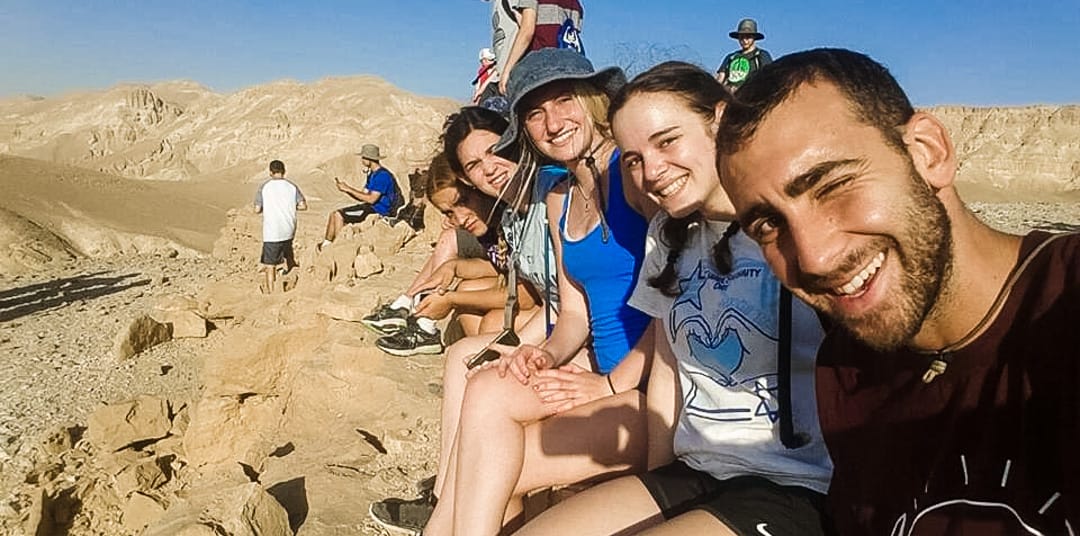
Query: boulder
x,y
350,305
366,264
185,324
238,510
146,475
140,511
116,426
140,334
387,240
335,261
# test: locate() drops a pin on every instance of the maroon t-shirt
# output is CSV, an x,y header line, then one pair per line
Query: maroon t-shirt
x,y
550,16
992,445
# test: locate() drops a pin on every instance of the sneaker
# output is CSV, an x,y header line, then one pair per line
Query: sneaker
x,y
411,341
386,320
403,516
426,486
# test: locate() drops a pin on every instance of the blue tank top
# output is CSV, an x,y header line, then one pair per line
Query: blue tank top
x,y
607,271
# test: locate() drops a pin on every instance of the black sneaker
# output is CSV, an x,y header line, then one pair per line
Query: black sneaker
x,y
386,320
403,516
411,341
426,486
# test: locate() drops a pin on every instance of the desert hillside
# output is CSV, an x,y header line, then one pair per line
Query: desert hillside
x,y
183,131
68,162
1028,152
149,388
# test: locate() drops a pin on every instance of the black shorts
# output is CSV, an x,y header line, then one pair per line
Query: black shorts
x,y
468,247
746,504
356,213
275,253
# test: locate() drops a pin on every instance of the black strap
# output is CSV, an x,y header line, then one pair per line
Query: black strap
x,y
511,297
547,279
510,11
788,436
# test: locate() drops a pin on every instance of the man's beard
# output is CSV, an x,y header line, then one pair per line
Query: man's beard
x,y
924,251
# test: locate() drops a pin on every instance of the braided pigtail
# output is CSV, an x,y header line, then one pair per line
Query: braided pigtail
x,y
722,249
675,233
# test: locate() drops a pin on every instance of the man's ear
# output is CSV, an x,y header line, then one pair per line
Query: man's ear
x,y
931,150
718,112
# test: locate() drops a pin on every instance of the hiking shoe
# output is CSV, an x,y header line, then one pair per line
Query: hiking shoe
x,y
411,341
403,516
386,320
426,486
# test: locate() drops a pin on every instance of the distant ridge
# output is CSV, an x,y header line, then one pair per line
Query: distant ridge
x,y
181,130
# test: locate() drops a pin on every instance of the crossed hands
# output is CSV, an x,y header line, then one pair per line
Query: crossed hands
x,y
523,362
558,388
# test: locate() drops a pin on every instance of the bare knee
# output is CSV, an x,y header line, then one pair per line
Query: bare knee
x,y
487,394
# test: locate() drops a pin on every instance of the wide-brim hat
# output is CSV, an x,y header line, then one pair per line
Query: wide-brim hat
x,y
541,67
747,27
371,152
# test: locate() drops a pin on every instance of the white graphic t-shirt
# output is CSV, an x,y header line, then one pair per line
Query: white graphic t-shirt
x,y
724,330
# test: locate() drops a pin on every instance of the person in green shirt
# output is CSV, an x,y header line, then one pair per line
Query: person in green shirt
x,y
739,65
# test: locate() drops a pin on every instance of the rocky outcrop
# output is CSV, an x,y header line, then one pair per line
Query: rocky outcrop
x,y
139,334
1033,148
25,245
182,131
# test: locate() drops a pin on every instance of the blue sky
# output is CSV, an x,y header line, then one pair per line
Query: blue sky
x,y
989,52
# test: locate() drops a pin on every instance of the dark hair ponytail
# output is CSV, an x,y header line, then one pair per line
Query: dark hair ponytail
x,y
721,251
674,234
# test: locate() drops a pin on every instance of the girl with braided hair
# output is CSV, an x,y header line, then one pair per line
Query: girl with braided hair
x,y
737,448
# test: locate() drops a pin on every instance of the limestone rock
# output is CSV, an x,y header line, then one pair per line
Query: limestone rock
x,y
140,334
146,475
348,304
226,301
243,510
140,511
184,323
385,240
336,260
116,426
367,264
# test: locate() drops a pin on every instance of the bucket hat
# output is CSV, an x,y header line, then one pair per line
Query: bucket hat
x,y
547,65
371,152
747,27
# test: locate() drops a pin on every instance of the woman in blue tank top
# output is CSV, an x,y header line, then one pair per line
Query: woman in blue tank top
x,y
508,442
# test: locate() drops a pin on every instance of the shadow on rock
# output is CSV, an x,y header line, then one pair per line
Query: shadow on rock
x,y
292,494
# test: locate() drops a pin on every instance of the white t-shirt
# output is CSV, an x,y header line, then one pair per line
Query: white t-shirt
x,y
723,330
504,27
278,199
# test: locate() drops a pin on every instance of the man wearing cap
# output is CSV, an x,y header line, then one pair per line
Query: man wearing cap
x,y
378,196
739,65
487,78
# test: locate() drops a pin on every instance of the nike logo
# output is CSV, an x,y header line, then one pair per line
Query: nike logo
x,y
763,529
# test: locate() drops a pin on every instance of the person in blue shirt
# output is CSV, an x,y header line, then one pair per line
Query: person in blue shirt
x,y
379,195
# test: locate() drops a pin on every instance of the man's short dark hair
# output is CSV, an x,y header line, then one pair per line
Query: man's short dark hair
x,y
277,166
874,95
